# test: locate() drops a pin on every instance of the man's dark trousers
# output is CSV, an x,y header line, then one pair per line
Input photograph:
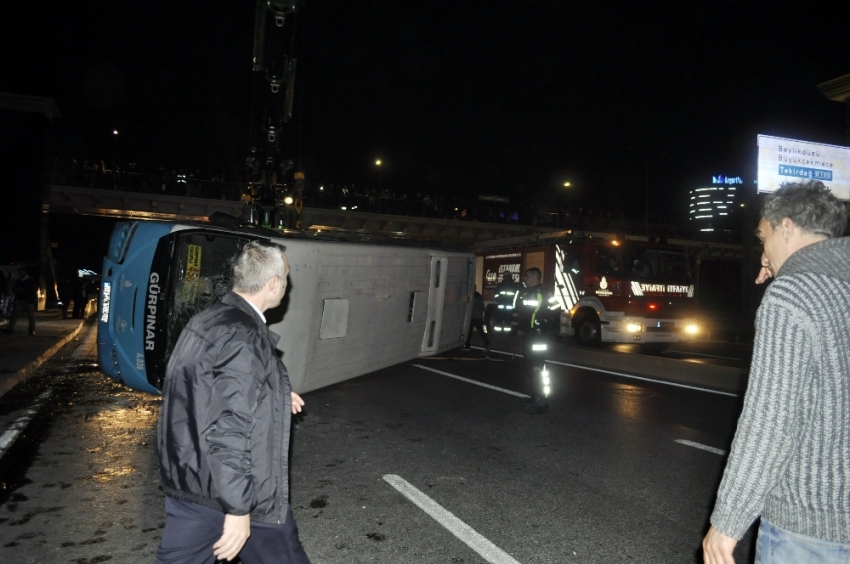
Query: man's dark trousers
x,y
477,324
191,530
16,313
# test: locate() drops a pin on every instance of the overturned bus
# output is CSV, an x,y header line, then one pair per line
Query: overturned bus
x,y
356,303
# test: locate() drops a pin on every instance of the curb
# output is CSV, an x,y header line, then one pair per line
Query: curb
x,y
30,368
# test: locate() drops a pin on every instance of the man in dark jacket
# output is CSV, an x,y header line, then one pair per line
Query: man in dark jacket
x,y
477,322
26,300
223,435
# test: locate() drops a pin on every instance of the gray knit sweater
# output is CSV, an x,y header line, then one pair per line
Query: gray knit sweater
x,y
790,460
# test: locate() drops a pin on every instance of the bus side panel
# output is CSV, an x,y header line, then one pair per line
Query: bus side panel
x,y
381,292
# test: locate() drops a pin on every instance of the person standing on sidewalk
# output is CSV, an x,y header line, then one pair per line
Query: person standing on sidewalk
x,y
26,299
790,459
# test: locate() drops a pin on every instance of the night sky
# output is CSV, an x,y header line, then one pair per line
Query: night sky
x,y
456,98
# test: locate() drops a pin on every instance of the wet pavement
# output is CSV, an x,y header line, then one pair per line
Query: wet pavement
x,y
21,353
602,477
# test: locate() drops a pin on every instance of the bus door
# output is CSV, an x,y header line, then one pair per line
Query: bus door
x,y
436,296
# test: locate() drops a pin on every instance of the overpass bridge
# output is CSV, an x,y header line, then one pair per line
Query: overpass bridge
x,y
713,261
467,234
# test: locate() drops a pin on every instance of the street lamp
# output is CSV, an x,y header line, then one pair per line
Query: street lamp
x,y
114,148
567,184
378,164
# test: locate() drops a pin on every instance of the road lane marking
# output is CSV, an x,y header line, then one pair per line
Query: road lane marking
x,y
489,551
18,425
483,385
685,442
697,388
666,383
706,355
498,352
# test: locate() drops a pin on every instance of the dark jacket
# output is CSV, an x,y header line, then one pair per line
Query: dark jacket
x,y
26,290
223,435
477,306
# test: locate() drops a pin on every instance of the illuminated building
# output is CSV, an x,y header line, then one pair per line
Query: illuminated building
x,y
710,207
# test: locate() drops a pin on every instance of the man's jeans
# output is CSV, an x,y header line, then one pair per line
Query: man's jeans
x,y
778,546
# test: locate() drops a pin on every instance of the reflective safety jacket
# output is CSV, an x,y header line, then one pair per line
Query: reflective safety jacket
x,y
532,305
224,425
506,292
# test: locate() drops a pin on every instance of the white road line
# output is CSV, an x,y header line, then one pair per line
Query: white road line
x,y
706,355
483,385
489,551
498,352
697,388
18,425
701,447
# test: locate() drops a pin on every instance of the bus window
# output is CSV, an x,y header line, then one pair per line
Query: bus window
x,y
201,276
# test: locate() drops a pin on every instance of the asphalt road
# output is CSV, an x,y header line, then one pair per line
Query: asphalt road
x,y
409,464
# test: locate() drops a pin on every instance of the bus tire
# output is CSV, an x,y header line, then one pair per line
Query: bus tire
x,y
653,348
588,331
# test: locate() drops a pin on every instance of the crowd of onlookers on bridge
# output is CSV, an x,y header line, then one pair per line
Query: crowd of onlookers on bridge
x,y
349,197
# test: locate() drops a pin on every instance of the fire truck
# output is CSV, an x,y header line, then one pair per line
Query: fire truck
x,y
605,288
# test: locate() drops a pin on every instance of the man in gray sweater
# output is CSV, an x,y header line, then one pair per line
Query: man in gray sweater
x,y
790,460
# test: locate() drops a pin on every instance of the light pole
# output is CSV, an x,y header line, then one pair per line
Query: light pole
x,y
114,150
378,164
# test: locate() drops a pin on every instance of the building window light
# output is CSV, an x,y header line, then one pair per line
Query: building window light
x,y
704,217
707,229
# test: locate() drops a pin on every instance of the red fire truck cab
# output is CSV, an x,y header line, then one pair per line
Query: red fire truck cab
x,y
609,289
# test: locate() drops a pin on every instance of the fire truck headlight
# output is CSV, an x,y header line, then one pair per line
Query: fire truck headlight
x,y
541,347
634,327
691,329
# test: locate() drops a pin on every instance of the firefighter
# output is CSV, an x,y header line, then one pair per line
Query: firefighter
x,y
505,293
532,306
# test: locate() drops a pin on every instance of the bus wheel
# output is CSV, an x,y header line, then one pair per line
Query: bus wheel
x,y
653,348
588,332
